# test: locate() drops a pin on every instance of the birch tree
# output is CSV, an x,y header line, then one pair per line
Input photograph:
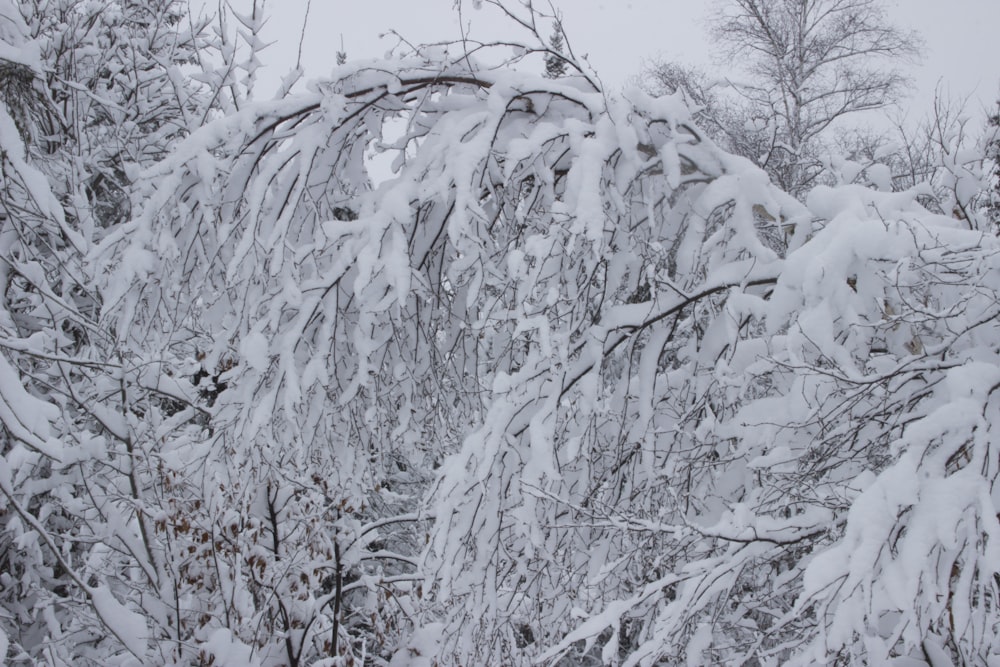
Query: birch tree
x,y
806,65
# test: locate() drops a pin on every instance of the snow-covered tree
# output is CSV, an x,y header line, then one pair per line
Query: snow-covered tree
x,y
993,158
94,93
666,398
567,384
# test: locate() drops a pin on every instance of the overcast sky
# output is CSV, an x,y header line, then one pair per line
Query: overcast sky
x,y
962,37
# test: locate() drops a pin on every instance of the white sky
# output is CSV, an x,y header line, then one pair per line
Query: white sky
x,y
962,37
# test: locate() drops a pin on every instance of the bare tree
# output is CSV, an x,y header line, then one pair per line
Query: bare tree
x,y
811,62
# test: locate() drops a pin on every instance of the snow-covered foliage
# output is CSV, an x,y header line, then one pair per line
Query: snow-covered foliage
x,y
93,94
567,385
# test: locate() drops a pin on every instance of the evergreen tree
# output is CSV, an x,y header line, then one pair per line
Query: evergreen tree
x,y
342,53
555,62
993,158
